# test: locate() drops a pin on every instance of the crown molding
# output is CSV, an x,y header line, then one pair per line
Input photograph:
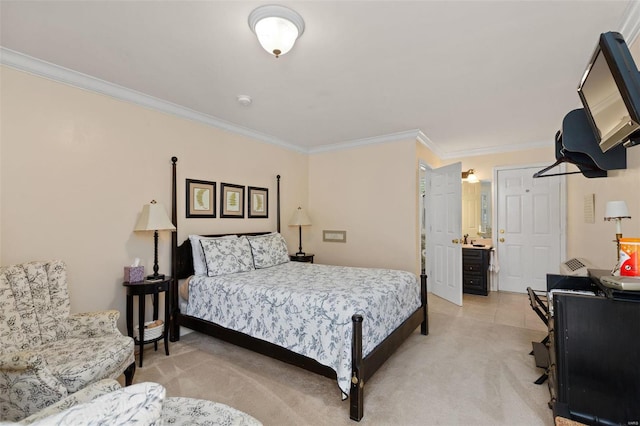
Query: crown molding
x,y
496,150
77,79
393,137
424,140
630,27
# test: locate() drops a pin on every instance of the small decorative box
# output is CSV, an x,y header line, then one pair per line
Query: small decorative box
x,y
134,274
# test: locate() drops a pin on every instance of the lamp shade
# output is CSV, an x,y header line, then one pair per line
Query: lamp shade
x,y
154,218
299,218
277,28
616,210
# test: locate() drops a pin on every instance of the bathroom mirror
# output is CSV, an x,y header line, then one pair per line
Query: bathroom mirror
x,y
476,209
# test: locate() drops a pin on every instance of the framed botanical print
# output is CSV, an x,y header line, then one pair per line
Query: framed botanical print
x,y
258,202
201,198
231,200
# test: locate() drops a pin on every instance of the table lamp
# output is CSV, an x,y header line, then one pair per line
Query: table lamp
x,y
617,210
300,219
154,218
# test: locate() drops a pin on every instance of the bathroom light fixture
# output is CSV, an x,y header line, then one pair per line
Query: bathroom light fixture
x,y
617,210
277,28
470,176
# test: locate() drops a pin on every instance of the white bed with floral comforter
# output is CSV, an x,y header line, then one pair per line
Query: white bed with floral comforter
x,y
307,308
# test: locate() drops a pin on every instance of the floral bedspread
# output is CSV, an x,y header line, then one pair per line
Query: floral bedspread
x,y
307,308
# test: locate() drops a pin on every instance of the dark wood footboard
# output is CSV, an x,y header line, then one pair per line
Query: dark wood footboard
x,y
363,369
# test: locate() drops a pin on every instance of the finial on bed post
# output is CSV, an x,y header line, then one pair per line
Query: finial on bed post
x,y
278,204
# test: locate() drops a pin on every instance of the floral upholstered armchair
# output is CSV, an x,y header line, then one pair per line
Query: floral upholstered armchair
x,y
46,353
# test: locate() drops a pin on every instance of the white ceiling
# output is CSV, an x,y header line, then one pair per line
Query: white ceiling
x,y
472,76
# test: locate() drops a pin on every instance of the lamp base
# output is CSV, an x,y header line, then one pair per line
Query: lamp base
x,y
155,277
301,253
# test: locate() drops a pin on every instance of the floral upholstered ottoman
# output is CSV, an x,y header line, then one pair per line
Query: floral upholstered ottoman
x,y
105,402
199,412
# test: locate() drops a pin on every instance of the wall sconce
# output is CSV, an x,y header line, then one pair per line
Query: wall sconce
x,y
277,28
470,176
617,210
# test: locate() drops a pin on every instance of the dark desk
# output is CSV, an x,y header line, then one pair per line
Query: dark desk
x,y
594,349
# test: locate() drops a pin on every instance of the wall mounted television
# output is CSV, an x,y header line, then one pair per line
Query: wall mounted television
x,y
610,93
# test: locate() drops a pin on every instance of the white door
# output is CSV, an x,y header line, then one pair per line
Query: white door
x,y
530,228
444,254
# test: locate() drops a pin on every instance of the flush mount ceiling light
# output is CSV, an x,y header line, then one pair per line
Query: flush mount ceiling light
x,y
470,176
277,28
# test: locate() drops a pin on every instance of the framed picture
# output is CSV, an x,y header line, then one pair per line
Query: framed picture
x,y
231,200
201,198
334,236
258,202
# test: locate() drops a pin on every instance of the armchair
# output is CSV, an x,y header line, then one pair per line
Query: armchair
x,y
45,352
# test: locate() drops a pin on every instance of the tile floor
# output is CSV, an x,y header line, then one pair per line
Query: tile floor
x,y
498,307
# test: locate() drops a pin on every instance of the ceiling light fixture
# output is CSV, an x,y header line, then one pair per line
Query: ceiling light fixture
x,y
470,176
277,28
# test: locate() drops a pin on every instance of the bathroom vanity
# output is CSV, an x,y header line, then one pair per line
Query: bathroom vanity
x,y
475,269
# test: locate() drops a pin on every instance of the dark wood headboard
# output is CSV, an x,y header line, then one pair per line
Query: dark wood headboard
x,y
181,255
184,265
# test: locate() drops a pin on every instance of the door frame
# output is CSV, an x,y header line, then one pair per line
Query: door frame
x,y
495,283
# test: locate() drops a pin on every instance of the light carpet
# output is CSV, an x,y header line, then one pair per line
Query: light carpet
x,y
467,371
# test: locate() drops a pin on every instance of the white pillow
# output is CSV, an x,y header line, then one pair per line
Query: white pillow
x,y
227,256
199,264
268,250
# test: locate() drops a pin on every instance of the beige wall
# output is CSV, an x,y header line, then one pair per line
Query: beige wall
x,y
592,241
483,165
77,167
369,192
426,156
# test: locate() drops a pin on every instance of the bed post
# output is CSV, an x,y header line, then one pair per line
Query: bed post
x,y
174,328
278,203
356,394
424,327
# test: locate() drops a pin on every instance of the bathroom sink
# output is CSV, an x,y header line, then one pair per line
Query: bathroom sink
x,y
476,246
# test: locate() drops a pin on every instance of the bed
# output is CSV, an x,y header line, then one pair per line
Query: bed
x,y
341,322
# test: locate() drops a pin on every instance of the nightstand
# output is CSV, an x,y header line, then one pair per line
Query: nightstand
x,y
141,289
301,258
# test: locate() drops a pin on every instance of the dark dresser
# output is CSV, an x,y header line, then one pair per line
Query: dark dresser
x,y
475,270
594,352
